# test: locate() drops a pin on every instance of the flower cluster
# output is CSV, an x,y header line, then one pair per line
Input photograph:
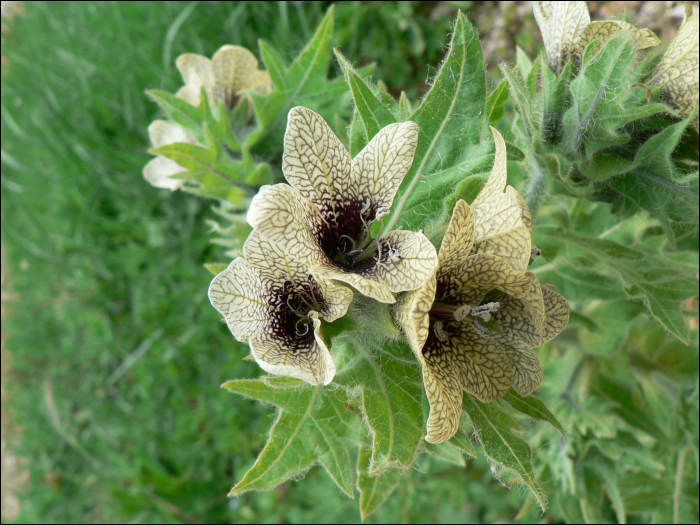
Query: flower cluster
x,y
472,315
227,76
314,231
473,325
567,30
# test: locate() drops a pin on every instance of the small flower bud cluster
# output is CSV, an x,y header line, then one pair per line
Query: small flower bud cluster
x,y
226,77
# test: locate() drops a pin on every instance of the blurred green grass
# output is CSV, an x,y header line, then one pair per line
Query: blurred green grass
x,y
118,355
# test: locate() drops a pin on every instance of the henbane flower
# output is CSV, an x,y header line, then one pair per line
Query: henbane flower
x,y
332,202
271,300
231,70
466,342
160,172
679,67
567,29
503,225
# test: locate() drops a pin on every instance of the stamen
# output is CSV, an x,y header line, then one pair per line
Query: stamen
x,y
462,312
394,255
485,310
293,309
366,207
381,212
535,250
439,333
352,243
482,331
305,325
287,284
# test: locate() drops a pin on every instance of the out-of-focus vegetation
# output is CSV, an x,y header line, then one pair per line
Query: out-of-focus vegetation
x,y
118,357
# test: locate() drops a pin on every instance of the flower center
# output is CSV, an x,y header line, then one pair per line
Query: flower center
x,y
441,312
351,250
302,299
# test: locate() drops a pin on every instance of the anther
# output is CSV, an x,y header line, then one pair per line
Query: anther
x,y
482,331
381,212
394,255
462,312
485,310
439,333
287,285
305,325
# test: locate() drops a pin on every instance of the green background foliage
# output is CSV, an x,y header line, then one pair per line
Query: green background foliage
x,y
119,358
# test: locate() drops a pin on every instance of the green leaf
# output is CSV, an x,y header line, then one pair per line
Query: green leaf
x,y
311,427
216,171
495,105
405,107
625,407
504,448
520,97
446,452
534,408
302,83
660,282
598,92
556,97
654,183
452,120
357,134
374,490
522,61
384,379
215,268
181,112
462,442
373,105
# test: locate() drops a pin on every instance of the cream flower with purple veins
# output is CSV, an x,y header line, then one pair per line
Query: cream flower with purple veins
x,y
270,300
333,200
567,30
444,324
230,70
678,68
159,172
503,225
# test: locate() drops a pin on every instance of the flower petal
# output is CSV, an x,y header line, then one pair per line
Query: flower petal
x,y
307,358
159,171
480,274
503,223
239,294
412,313
375,289
316,163
285,217
678,68
521,323
557,311
378,170
527,368
197,72
561,25
277,262
458,240
521,319
604,30
406,260
235,68
281,215
164,133
463,360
